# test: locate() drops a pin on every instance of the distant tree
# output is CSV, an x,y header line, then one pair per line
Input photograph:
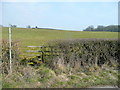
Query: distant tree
x,y
10,25
99,28
110,28
36,27
13,25
89,28
28,26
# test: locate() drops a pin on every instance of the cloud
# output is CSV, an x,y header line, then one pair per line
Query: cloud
x,y
60,0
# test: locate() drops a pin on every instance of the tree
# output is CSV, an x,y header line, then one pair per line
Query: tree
x,y
89,28
100,28
13,25
36,27
110,28
28,26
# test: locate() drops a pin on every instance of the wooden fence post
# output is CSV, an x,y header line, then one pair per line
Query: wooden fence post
x,y
10,49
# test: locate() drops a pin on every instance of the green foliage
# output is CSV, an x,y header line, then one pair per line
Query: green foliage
x,y
110,28
84,53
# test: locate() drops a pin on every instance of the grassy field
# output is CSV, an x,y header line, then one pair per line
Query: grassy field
x,y
40,36
60,75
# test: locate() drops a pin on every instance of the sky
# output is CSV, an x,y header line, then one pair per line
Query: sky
x,y
59,15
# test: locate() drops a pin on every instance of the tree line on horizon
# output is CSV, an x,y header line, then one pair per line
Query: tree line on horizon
x,y
110,28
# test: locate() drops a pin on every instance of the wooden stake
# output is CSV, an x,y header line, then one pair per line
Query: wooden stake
x,y
10,49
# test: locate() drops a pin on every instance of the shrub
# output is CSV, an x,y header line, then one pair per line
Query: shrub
x,y
84,52
5,55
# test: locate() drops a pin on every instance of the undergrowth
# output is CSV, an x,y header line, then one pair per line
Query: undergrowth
x,y
44,77
66,71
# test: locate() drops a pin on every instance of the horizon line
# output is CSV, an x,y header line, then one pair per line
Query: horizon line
x,y
56,28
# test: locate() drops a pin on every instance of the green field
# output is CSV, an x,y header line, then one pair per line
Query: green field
x,y
40,36
60,75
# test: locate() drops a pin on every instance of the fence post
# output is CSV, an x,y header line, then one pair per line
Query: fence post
x,y
10,49
42,57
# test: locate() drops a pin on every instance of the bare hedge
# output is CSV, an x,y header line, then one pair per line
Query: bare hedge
x,y
85,52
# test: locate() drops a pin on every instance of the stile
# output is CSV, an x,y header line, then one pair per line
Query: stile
x,y
43,51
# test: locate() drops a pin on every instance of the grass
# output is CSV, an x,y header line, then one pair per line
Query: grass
x,y
44,77
41,36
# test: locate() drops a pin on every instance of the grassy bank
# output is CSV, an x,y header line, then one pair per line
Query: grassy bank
x,y
44,77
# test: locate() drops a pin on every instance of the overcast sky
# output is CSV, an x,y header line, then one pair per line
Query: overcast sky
x,y
60,15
